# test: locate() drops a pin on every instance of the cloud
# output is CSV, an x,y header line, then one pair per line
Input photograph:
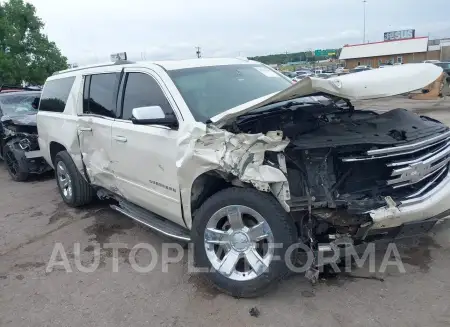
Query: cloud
x,y
89,30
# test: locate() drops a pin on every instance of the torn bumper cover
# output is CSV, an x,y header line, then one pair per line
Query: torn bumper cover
x,y
29,157
433,204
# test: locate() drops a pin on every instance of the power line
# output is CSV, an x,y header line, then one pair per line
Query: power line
x,y
364,33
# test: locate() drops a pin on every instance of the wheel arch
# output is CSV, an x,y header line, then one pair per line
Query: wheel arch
x,y
55,148
203,186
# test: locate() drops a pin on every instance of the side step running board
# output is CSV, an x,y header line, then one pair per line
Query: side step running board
x,y
152,221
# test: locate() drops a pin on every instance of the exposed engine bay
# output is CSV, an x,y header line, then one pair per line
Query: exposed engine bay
x,y
342,163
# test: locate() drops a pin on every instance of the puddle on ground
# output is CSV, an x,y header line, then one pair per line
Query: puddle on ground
x,y
64,211
418,253
415,252
106,224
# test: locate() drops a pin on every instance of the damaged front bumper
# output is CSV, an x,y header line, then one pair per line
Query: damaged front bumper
x,y
435,204
33,154
26,151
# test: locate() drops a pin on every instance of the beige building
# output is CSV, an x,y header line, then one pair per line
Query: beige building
x,y
396,51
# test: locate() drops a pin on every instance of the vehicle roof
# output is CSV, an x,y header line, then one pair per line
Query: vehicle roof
x,y
167,65
5,94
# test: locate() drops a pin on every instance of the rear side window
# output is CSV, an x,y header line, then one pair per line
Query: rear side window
x,y
56,92
142,90
100,92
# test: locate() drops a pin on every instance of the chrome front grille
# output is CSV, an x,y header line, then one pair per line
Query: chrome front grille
x,y
415,167
408,172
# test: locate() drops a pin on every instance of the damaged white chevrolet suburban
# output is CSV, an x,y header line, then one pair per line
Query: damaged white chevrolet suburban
x,y
228,154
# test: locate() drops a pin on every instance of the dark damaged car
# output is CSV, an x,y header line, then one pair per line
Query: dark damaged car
x,y
19,146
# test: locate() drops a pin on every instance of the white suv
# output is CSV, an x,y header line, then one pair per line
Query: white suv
x,y
228,154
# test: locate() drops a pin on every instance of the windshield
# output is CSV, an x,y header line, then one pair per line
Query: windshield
x,y
15,104
209,91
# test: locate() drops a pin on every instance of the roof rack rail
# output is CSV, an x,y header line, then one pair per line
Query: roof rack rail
x,y
13,88
118,62
123,62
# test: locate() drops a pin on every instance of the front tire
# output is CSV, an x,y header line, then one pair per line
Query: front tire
x,y
15,161
233,234
74,189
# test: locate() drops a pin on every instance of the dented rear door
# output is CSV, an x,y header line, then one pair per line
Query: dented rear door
x,y
94,127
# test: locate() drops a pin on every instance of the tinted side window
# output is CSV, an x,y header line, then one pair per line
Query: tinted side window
x,y
142,90
102,95
55,94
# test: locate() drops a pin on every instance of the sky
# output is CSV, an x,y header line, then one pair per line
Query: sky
x,y
88,31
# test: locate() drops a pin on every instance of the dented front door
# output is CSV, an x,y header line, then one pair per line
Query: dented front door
x,y
144,156
94,133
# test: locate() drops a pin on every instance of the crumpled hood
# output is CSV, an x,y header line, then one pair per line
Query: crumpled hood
x,y
370,84
23,120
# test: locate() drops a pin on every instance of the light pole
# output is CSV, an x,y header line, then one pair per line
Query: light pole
x,y
364,33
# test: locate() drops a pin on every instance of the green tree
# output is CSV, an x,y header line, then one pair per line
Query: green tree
x,y
26,54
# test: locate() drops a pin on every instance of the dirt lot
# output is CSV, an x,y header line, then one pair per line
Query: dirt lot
x,y
33,218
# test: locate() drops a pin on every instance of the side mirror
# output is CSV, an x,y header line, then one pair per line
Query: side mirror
x,y
153,115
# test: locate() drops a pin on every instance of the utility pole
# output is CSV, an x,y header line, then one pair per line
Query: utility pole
x,y
198,52
364,33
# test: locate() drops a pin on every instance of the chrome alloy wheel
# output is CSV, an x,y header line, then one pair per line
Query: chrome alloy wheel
x,y
64,180
239,243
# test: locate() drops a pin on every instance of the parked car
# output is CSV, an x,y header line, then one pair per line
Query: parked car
x,y
325,75
444,65
289,74
359,69
19,146
301,75
234,172
304,72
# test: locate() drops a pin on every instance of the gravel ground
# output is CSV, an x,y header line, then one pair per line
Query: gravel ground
x,y
33,219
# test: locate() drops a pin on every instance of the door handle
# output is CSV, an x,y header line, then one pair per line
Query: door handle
x,y
85,129
119,138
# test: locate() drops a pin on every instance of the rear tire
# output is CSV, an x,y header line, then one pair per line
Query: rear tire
x,y
15,162
74,189
251,275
